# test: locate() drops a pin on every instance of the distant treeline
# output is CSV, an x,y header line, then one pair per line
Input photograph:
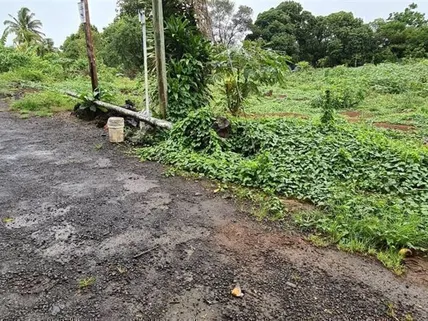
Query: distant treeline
x,y
340,38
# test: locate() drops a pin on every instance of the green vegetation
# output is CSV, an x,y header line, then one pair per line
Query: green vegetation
x,y
371,189
308,135
24,27
189,56
85,283
340,38
393,93
43,104
243,70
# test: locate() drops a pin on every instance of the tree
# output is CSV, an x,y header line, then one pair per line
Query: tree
x,y
339,38
170,8
25,28
349,40
131,7
228,25
410,17
287,28
74,46
3,39
195,11
122,45
403,34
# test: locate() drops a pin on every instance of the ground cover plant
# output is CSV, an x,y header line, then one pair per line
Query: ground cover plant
x,y
371,190
309,134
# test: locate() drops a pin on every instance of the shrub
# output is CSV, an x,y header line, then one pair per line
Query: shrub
x,y
340,98
242,71
189,68
11,59
29,74
304,65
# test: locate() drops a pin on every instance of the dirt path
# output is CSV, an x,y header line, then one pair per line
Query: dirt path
x,y
74,208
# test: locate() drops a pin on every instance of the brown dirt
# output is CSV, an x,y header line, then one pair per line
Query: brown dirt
x,y
405,128
352,114
417,269
294,206
159,248
285,115
356,116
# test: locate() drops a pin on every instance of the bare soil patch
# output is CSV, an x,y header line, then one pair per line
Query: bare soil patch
x,y
284,114
405,128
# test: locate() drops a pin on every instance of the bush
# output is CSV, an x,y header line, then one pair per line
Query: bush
x,y
389,85
11,59
28,74
189,68
340,98
304,65
242,72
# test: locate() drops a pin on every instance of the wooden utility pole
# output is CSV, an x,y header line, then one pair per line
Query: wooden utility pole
x,y
160,56
89,43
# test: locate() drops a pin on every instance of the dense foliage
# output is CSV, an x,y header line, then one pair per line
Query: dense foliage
x,y
374,190
122,45
189,67
242,71
74,46
341,38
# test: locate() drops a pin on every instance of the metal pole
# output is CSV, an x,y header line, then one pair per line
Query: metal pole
x,y
160,56
146,73
84,13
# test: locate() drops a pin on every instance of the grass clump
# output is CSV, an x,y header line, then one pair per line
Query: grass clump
x,y
42,104
85,283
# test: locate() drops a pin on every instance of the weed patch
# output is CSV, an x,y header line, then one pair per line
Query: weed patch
x,y
85,283
371,190
42,104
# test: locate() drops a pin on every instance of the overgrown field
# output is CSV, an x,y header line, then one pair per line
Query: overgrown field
x,y
369,185
386,93
41,78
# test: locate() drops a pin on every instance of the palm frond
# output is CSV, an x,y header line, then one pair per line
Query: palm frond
x,y
25,28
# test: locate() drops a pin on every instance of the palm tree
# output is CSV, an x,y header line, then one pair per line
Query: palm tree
x,y
25,28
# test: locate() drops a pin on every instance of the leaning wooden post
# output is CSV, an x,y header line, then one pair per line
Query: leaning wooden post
x,y
84,14
160,56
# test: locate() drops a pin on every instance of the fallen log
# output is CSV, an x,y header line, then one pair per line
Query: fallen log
x,y
140,116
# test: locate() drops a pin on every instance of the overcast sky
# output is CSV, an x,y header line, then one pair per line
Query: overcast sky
x,y
60,17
